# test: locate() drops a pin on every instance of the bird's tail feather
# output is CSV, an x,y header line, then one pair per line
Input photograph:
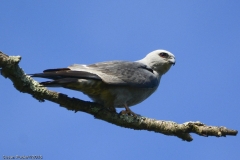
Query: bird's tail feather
x,y
65,73
59,83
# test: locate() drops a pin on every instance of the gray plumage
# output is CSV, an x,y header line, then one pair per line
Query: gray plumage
x,y
121,73
113,83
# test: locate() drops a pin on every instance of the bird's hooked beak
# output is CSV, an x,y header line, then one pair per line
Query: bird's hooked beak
x,y
172,61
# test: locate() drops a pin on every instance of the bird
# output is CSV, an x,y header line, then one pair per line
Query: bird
x,y
113,84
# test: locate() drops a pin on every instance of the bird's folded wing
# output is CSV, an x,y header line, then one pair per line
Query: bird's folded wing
x,y
120,73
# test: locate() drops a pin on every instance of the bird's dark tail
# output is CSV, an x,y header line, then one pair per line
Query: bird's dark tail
x,y
59,83
63,76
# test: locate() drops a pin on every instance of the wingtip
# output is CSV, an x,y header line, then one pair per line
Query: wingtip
x,y
55,70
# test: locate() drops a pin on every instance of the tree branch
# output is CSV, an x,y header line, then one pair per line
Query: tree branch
x,y
25,84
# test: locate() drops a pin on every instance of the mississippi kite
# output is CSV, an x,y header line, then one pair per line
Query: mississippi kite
x,y
113,84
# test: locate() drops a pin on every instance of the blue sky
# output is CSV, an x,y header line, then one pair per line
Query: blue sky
x,y
203,86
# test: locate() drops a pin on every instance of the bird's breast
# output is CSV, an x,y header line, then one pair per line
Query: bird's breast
x,y
130,95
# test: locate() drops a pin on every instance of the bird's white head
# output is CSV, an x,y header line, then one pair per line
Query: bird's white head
x,y
159,60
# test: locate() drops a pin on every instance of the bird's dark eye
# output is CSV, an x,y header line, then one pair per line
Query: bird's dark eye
x,y
163,54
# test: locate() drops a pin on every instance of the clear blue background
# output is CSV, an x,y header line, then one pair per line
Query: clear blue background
x,y
202,86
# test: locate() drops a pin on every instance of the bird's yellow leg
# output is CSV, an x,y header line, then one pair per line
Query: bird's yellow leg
x,y
128,111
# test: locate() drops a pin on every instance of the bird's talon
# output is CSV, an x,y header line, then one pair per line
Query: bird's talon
x,y
128,112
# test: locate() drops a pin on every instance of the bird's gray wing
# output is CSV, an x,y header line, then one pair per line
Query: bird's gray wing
x,y
121,73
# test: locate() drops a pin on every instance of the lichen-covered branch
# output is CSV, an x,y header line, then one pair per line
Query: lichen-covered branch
x,y
25,84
